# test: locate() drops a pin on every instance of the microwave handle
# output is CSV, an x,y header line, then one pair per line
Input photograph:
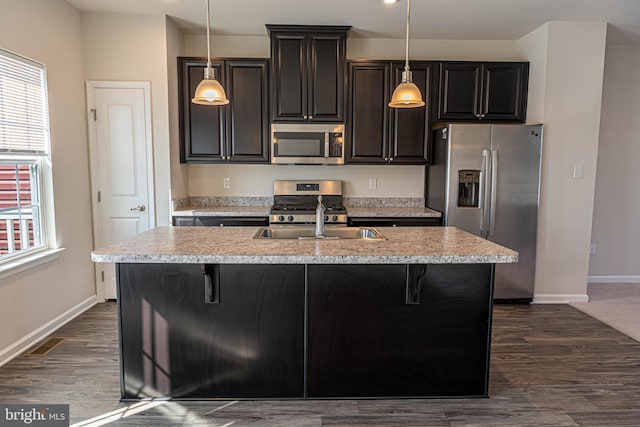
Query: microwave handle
x,y
326,144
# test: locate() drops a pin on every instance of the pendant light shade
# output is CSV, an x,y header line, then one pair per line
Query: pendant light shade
x,y
209,91
407,94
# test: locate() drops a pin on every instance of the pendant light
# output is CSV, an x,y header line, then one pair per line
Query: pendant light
x,y
209,91
407,94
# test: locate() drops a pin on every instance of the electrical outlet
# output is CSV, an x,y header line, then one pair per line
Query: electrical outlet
x,y
592,249
373,183
226,182
578,172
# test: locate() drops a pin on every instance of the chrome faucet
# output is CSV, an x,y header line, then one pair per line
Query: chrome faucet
x,y
320,218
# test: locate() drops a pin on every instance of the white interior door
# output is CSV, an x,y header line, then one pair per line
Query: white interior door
x,y
121,167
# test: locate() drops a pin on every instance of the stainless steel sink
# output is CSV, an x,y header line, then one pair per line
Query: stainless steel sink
x,y
330,233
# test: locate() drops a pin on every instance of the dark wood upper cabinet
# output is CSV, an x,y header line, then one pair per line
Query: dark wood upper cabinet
x,y
471,91
368,117
410,127
237,132
202,127
377,133
308,73
248,112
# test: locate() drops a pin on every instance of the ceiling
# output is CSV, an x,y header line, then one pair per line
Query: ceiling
x,y
430,19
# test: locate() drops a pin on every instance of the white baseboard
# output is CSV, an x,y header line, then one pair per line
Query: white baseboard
x,y
614,279
24,343
559,298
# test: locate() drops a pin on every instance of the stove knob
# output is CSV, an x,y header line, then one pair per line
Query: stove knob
x,y
290,218
326,217
280,218
334,218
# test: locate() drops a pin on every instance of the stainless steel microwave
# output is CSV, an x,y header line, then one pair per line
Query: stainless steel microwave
x,y
307,143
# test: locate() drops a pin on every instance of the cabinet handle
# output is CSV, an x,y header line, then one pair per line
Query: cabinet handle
x,y
478,115
386,159
306,117
391,159
211,284
310,117
482,115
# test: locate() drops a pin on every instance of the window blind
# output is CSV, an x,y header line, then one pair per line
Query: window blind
x,y
24,123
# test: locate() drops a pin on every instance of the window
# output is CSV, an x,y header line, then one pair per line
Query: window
x,y
25,182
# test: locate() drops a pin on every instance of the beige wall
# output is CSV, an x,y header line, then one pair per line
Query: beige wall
x,y
616,228
175,48
257,180
134,47
568,60
49,31
393,181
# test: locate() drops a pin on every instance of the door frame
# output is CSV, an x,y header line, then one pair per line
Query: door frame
x,y
91,86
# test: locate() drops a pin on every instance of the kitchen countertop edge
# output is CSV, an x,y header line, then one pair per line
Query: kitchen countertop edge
x,y
235,245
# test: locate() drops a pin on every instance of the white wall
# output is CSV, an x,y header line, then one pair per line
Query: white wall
x,y
616,228
570,56
393,181
49,31
134,47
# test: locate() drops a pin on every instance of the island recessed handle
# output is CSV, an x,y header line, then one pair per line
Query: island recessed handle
x,y
211,284
414,277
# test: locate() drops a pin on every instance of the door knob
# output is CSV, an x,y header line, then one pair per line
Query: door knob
x,y
139,208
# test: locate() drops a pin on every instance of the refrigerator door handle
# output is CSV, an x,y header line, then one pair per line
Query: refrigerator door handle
x,y
494,191
484,193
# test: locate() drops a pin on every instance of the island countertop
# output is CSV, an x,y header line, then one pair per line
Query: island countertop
x,y
236,245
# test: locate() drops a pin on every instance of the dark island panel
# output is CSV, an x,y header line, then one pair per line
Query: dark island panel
x,y
387,331
194,331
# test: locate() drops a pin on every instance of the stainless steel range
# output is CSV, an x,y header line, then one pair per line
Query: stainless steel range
x,y
295,202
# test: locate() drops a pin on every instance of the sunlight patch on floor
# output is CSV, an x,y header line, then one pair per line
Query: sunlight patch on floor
x,y
172,410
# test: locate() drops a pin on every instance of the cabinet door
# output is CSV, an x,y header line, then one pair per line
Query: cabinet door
x,y
248,121
326,78
289,78
176,343
365,339
202,127
504,95
367,126
411,127
460,91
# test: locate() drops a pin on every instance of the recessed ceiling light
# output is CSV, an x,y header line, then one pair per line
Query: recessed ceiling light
x,y
390,1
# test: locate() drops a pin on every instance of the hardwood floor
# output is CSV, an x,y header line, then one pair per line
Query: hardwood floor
x,y
551,366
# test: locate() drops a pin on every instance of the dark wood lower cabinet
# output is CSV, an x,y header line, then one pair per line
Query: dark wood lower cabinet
x,y
293,331
376,332
379,221
250,343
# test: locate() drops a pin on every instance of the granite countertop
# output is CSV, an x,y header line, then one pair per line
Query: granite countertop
x,y
401,212
235,245
260,206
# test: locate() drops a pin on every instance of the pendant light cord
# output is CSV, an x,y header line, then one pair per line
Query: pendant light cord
x,y
406,52
208,37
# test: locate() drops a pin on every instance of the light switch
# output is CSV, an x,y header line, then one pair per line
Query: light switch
x,y
578,172
226,182
373,183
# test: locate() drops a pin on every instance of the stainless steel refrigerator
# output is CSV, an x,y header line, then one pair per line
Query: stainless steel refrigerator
x,y
485,179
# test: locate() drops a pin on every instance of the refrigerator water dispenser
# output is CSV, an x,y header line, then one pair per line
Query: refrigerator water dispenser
x,y
468,188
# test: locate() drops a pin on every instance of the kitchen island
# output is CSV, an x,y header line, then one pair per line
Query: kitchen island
x,y
209,312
